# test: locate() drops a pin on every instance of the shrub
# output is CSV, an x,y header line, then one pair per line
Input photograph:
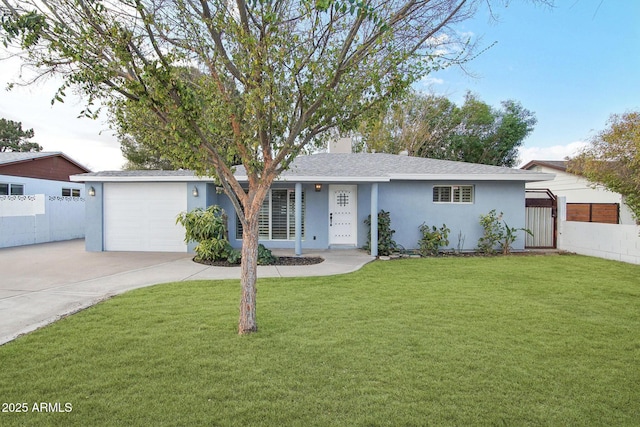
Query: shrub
x,y
212,250
497,233
493,232
386,244
207,227
510,236
433,239
265,257
235,256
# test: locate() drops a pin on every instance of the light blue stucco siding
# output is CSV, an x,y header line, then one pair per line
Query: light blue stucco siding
x,y
411,203
211,194
198,197
94,218
42,186
316,218
364,210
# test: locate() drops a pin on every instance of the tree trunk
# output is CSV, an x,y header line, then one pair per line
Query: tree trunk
x,y
249,274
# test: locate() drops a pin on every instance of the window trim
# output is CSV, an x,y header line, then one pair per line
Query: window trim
x,y
10,186
267,208
452,194
73,192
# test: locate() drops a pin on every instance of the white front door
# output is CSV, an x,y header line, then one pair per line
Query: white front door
x,y
343,215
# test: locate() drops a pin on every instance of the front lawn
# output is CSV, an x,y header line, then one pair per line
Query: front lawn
x,y
537,340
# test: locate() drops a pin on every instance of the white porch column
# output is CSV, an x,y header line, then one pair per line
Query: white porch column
x,y
374,219
298,220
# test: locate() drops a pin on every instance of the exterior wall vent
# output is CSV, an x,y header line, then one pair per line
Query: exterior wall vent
x,y
341,145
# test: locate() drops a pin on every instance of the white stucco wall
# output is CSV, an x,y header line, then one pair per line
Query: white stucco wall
x,y
619,242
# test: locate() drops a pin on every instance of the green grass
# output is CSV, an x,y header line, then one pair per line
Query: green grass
x,y
544,340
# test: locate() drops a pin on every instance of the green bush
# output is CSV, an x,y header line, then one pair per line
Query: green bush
x,y
510,236
265,257
493,232
386,244
207,227
497,233
433,239
235,256
212,250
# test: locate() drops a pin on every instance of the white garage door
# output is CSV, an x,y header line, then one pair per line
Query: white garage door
x,y
142,217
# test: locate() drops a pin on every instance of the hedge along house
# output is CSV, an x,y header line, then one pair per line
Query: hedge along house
x,y
321,202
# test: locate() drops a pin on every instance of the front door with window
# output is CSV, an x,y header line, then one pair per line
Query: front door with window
x,y
343,215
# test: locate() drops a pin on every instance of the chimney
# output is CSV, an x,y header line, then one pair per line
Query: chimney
x,y
342,145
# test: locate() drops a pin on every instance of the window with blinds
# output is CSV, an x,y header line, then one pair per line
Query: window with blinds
x,y
263,221
277,216
70,192
442,194
453,194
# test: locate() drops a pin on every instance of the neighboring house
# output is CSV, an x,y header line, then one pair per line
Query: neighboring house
x,y
577,189
321,202
587,219
38,202
39,173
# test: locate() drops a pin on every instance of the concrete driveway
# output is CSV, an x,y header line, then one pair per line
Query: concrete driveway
x,y
41,283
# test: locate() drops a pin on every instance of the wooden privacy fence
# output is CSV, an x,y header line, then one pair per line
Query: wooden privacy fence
x,y
608,213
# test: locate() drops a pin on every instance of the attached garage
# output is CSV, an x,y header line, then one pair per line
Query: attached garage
x,y
141,216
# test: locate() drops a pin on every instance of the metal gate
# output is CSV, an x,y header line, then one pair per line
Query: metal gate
x,y
540,218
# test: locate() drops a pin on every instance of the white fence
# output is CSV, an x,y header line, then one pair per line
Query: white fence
x,y
25,220
610,241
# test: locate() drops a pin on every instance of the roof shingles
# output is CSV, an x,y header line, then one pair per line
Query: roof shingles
x,y
7,157
357,166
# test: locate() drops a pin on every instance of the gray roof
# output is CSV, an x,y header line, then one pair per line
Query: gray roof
x,y
380,165
356,167
141,173
16,156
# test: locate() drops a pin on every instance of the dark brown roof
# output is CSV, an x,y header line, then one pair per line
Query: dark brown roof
x,y
41,165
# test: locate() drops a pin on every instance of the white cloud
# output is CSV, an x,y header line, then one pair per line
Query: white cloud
x,y
555,152
467,35
429,81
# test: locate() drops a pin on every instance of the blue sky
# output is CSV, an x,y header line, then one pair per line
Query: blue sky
x,y
573,65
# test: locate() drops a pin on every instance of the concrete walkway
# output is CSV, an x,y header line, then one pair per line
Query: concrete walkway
x,y
41,283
